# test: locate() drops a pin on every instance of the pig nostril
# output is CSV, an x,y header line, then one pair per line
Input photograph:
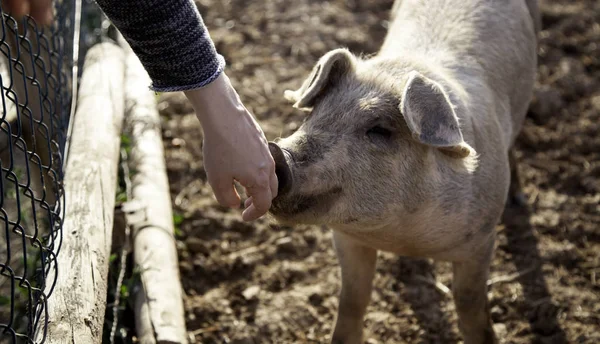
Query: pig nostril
x,y
282,169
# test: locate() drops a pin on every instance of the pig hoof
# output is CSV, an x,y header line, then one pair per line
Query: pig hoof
x,y
517,200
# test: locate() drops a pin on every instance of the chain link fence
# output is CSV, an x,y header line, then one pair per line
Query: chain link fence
x,y
38,80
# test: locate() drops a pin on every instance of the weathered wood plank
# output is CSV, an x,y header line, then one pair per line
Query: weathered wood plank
x,y
159,305
77,304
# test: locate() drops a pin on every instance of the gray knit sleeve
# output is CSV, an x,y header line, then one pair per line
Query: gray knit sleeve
x,y
170,39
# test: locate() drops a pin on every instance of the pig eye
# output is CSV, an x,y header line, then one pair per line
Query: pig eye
x,y
379,133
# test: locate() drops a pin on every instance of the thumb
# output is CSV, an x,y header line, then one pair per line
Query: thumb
x,y
225,192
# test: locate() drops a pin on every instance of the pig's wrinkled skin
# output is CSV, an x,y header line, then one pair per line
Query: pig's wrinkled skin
x,y
408,151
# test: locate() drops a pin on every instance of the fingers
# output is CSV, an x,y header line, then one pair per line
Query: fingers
x,y
225,192
274,184
261,199
16,8
260,196
41,11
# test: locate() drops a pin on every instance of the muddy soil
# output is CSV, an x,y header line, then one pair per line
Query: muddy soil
x,y
265,283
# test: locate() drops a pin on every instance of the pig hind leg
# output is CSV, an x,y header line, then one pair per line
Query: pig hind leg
x,y
357,264
469,288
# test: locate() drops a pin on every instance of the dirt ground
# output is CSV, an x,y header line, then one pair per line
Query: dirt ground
x,y
264,283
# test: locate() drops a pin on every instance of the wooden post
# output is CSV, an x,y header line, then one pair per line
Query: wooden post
x,y
159,304
77,304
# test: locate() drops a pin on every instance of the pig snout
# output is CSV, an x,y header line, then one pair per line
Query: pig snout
x,y
282,169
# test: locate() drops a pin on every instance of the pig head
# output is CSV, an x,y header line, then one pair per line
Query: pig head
x,y
373,148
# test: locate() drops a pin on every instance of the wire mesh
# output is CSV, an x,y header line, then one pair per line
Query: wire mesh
x,y
36,80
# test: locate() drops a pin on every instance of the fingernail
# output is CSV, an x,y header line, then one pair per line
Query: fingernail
x,y
49,17
20,10
25,7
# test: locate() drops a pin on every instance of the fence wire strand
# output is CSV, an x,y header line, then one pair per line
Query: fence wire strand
x,y
124,250
38,80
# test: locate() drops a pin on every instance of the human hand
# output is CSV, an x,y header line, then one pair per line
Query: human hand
x,y
39,10
235,148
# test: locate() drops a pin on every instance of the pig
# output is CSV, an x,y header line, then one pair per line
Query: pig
x,y
409,151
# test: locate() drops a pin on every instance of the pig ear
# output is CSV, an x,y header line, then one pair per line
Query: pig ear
x,y
330,67
431,118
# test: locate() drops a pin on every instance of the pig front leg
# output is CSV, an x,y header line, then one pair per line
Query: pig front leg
x,y
357,264
469,288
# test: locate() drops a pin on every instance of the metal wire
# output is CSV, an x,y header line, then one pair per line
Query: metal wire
x,y
124,250
38,82
74,71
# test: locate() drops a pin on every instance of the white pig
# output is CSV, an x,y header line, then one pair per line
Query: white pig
x,y
409,151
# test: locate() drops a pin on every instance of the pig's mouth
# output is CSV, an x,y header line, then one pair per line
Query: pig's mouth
x,y
305,208
282,168
291,205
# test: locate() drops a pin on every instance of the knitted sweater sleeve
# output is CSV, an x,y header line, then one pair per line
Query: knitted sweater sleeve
x,y
170,39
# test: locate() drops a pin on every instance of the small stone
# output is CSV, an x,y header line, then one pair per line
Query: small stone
x,y
251,292
497,310
497,313
500,330
547,102
285,245
596,102
573,66
243,340
315,299
195,245
185,266
310,238
590,184
178,142
200,262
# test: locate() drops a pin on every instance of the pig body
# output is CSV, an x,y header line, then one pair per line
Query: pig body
x,y
409,151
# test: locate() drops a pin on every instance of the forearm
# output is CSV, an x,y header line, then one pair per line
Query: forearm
x,y
170,39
